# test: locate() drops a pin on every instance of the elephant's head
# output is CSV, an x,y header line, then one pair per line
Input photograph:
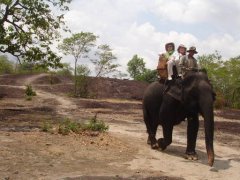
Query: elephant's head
x,y
198,96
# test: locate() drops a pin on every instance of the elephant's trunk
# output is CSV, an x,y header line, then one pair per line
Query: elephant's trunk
x,y
206,105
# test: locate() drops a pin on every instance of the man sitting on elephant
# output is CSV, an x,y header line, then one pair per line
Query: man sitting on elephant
x,y
188,63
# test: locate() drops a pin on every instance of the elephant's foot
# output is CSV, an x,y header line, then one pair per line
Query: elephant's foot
x,y
153,143
162,144
191,156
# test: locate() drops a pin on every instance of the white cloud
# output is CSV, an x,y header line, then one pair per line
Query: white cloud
x,y
225,44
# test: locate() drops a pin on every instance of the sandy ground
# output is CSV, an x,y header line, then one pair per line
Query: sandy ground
x,y
121,153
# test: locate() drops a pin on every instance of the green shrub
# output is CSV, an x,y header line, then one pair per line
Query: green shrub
x,y
47,127
68,126
29,91
96,125
220,101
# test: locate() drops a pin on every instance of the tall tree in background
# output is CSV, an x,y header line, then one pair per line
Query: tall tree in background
x,y
138,71
82,83
6,66
136,67
28,28
78,45
224,75
104,64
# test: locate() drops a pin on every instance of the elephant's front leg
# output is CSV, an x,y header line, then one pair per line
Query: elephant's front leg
x,y
192,131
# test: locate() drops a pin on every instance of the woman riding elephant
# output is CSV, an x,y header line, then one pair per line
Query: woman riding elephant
x,y
167,61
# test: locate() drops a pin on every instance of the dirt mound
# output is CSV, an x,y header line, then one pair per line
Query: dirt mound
x,y
11,92
229,113
53,79
13,79
116,88
97,87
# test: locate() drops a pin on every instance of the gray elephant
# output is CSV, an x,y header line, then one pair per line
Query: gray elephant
x,y
174,106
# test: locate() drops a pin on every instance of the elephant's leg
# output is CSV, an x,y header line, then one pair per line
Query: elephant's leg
x,y
167,135
152,137
151,126
192,131
167,116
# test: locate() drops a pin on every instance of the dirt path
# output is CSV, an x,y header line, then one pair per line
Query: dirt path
x,y
64,107
171,161
124,152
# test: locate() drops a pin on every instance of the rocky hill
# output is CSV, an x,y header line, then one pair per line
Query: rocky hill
x,y
97,87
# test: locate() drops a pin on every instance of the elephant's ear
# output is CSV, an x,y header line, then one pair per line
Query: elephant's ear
x,y
189,91
175,91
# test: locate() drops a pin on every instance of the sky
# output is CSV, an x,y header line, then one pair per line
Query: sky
x,y
143,27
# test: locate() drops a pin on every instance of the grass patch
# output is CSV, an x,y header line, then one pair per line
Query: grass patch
x,y
96,125
68,126
47,127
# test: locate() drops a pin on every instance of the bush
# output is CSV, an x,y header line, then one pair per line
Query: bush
x,y
96,125
47,127
68,126
28,67
29,91
220,101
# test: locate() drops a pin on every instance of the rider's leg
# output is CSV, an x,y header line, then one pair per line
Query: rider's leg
x,y
170,64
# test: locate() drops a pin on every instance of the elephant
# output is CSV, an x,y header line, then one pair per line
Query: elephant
x,y
169,107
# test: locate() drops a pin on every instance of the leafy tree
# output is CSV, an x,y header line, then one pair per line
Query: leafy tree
x,y
78,45
28,28
232,67
30,67
105,65
224,76
6,66
82,82
148,76
138,71
66,70
136,67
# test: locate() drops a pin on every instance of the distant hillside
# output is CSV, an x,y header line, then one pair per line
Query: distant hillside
x,y
97,87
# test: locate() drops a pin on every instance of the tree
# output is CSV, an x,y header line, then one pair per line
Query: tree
x,y
147,76
104,64
82,83
28,28
66,70
6,66
78,45
30,67
224,76
136,67
138,71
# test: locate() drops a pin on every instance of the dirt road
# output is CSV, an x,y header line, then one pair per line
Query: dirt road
x,y
122,153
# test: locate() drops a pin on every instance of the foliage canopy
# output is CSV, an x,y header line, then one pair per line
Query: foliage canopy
x,y
28,28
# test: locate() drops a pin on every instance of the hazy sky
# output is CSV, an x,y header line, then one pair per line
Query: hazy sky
x,y
144,26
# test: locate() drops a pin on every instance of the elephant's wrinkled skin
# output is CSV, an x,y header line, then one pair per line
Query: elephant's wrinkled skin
x,y
162,109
